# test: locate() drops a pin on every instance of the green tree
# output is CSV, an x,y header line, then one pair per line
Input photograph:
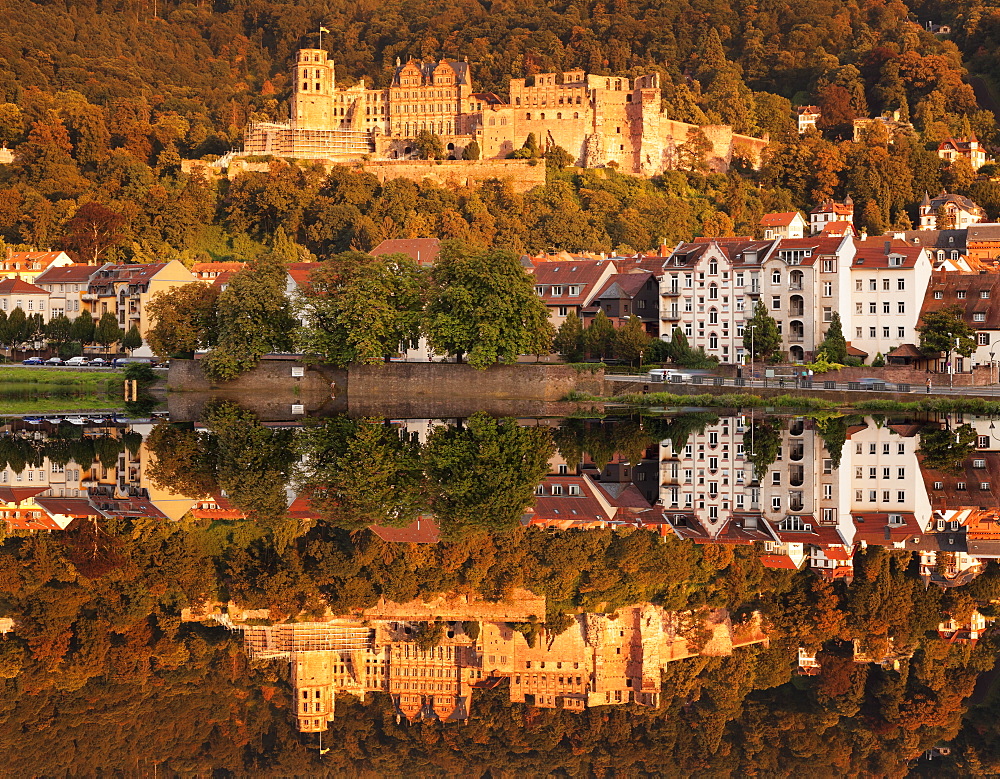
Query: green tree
x,y
184,319
945,331
359,308
59,332
569,339
254,318
483,475
107,331
471,151
631,340
83,328
15,329
483,304
760,334
762,446
693,153
389,490
599,337
946,450
132,340
557,157
834,344
429,145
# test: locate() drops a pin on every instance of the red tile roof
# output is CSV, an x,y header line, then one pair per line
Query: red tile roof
x,y
972,285
423,251
423,530
781,561
875,252
14,286
782,219
300,271
78,273
19,494
585,274
629,285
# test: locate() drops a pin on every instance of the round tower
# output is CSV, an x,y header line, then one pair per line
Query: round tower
x,y
312,91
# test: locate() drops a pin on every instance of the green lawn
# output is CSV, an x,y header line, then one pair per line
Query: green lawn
x,y
48,405
28,376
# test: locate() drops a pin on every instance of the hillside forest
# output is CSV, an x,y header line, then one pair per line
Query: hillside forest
x,y
100,101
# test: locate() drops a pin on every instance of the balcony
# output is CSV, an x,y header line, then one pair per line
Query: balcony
x,y
90,296
796,453
796,476
796,339
795,286
672,292
671,316
796,311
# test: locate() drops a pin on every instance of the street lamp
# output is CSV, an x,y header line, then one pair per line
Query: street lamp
x,y
991,367
752,352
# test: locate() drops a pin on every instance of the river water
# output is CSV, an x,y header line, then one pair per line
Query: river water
x,y
701,593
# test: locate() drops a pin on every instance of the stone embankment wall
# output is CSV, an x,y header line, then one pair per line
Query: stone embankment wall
x,y
844,397
393,389
522,174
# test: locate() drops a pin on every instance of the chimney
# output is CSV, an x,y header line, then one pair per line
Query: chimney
x,y
888,246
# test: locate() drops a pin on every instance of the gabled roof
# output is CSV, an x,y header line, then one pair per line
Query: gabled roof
x,y
779,561
874,253
19,494
838,228
958,144
77,273
300,272
960,201
624,286
949,283
874,529
423,251
585,274
209,270
937,239
423,530
983,232
782,219
130,273
15,286
736,250
830,207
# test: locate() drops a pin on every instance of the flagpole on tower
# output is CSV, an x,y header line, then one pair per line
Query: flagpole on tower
x,y
322,30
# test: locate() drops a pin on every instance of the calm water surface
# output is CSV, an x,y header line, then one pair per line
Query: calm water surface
x,y
699,594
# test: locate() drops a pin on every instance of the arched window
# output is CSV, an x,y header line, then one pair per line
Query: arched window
x,y
517,101
713,341
576,114
713,292
713,316
713,267
559,116
528,116
541,116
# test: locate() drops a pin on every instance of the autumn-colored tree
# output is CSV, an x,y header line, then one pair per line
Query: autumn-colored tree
x,y
184,319
92,230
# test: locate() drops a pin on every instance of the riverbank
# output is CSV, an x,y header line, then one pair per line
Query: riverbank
x,y
41,390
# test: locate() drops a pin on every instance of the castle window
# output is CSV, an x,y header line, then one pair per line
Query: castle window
x,y
528,116
558,116
575,114
541,116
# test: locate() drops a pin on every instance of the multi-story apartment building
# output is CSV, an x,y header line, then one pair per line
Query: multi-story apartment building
x,y
803,282
571,285
125,291
708,288
28,265
978,296
889,280
67,285
16,293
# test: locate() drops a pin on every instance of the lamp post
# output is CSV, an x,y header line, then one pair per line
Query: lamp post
x,y
991,367
752,352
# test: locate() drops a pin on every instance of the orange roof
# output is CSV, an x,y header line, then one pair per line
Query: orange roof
x,y
13,286
780,561
300,271
782,219
423,530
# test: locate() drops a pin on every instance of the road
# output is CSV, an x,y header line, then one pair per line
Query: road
x,y
664,386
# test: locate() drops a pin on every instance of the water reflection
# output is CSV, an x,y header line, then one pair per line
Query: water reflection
x,y
722,574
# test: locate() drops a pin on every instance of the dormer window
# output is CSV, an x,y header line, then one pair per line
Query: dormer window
x,y
895,261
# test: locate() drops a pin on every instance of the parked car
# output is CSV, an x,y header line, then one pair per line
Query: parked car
x,y
78,361
54,361
98,362
33,361
34,420
76,420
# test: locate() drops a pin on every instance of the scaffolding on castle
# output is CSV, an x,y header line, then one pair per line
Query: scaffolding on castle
x,y
281,139
269,642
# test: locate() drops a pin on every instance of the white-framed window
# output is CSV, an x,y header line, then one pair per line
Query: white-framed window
x,y
938,295
979,317
983,339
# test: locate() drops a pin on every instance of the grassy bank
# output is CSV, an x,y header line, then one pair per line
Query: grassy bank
x,y
729,400
953,405
38,390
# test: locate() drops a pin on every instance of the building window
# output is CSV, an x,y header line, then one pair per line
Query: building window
x,y
885,306
775,303
873,285
859,285
984,294
900,284
977,317
901,307
983,339
828,289
873,308
885,332
901,332
960,294
938,295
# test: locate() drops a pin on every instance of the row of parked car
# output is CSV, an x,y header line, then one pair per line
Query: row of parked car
x,y
92,362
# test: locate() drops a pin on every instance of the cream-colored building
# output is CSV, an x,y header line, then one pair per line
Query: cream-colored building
x,y
16,293
125,291
28,265
67,286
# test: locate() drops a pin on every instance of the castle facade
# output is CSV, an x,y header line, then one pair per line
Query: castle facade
x,y
602,121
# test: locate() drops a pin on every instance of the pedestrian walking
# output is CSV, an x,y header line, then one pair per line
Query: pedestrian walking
x,y
928,385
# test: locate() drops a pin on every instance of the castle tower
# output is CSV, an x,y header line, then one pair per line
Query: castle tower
x,y
312,680
312,93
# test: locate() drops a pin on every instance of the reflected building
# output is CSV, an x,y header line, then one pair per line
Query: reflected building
x,y
432,670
